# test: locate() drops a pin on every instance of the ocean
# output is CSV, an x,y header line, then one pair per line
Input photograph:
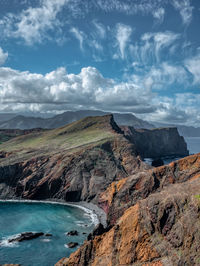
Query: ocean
x,y
193,144
55,219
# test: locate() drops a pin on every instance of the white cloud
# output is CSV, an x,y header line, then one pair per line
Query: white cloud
x,y
166,74
3,56
88,88
100,29
79,35
193,65
185,10
123,34
59,91
33,23
151,46
159,14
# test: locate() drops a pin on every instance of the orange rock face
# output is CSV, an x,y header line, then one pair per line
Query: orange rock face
x,y
162,228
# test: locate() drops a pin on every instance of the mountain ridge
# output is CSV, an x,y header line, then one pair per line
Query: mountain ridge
x,y
23,122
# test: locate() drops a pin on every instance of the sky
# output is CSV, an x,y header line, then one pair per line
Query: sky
x,y
137,56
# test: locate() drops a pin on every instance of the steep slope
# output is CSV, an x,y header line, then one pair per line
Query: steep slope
x,y
158,142
75,162
161,228
23,122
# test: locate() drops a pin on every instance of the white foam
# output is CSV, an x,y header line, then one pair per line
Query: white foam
x,y
5,241
90,213
46,240
66,246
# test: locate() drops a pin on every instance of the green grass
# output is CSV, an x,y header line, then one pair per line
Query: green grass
x,y
80,133
197,197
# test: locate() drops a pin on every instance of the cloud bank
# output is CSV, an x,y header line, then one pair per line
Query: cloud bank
x,y
59,91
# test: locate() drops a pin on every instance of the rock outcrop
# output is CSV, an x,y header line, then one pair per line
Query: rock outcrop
x,y
152,213
160,227
158,142
73,163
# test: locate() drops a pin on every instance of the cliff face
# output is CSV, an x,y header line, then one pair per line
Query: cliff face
x,y
161,228
156,143
153,214
72,163
120,195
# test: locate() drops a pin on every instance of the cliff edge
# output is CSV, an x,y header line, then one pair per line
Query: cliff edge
x,y
158,142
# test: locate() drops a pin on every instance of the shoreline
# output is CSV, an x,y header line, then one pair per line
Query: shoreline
x,y
96,214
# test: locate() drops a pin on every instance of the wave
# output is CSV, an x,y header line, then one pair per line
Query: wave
x,y
5,241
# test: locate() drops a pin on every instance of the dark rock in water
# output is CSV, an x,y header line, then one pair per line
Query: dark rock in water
x,y
157,162
72,233
47,234
84,233
98,230
26,236
72,244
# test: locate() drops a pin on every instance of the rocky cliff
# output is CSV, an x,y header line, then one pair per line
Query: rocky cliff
x,y
158,142
155,222
72,163
95,161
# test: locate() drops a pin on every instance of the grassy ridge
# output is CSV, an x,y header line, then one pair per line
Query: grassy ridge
x,y
79,133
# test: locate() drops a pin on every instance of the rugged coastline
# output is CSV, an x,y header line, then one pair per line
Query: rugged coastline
x,y
91,164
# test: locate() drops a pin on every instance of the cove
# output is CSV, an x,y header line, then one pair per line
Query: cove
x,y
56,219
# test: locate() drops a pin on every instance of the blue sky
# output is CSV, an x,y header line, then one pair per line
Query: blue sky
x,y
139,56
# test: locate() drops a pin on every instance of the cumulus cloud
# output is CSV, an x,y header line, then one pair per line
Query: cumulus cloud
x,y
3,56
59,91
88,88
123,34
33,23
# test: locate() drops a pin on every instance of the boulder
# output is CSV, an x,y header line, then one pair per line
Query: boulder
x,y
157,162
72,233
72,244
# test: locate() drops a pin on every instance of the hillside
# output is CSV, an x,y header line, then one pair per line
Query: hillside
x,y
74,162
24,122
94,160
154,220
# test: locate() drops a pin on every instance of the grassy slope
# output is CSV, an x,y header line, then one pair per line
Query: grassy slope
x,y
80,133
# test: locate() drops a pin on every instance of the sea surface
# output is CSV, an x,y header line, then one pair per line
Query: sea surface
x,y
55,219
193,145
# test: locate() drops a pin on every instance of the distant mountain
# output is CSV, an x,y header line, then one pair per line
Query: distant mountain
x,y
6,116
24,122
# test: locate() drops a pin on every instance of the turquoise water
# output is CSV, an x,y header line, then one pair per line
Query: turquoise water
x,y
16,218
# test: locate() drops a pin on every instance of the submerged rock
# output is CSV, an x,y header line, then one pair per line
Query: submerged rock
x,y
47,234
72,233
72,244
157,162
